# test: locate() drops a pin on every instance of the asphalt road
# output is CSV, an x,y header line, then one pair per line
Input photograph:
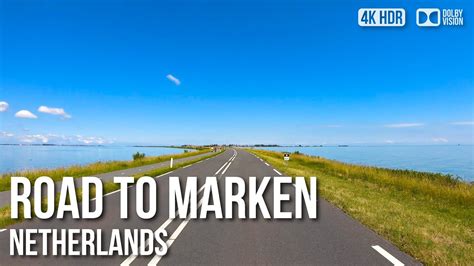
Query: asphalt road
x,y
332,239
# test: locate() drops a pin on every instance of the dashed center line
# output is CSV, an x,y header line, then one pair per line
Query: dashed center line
x,y
276,171
183,224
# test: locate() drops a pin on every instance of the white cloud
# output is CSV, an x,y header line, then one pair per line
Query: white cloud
x,y
78,139
53,111
389,141
34,138
61,139
5,134
463,123
442,140
3,106
403,125
25,114
173,79
91,140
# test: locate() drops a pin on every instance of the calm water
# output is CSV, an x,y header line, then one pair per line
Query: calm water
x,y
455,160
14,158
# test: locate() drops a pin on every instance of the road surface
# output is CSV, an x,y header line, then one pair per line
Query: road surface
x,y
332,239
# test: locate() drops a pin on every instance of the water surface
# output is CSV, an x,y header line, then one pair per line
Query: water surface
x,y
454,160
16,158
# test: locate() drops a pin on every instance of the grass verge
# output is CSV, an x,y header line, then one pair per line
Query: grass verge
x,y
430,216
6,220
91,169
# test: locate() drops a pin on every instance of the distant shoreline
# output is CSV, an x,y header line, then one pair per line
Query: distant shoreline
x,y
188,146
94,145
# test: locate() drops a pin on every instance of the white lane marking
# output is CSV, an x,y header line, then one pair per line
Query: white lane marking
x,y
115,191
267,164
226,168
131,258
174,236
110,193
179,230
228,161
164,174
154,261
221,168
277,171
167,173
156,258
155,178
387,255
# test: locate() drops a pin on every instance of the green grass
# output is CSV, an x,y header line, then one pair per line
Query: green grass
x,y
430,216
160,171
91,169
5,218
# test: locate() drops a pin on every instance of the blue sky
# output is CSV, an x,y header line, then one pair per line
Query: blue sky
x,y
287,72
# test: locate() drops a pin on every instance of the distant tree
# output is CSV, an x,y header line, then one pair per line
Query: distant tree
x,y
138,156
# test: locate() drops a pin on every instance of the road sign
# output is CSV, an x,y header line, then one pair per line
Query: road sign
x,y
286,156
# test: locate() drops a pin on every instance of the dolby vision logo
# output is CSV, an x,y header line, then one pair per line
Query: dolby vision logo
x,y
428,17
